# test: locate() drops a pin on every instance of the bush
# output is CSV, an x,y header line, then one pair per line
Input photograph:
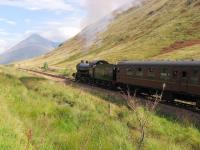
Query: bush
x,y
60,45
45,66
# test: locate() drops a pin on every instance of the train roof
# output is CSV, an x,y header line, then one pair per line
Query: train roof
x,y
96,62
161,63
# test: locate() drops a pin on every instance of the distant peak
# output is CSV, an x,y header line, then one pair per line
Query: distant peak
x,y
35,36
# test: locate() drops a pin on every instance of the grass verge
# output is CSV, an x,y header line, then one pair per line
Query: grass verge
x,y
40,114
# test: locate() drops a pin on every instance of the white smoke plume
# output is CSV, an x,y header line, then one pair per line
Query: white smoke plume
x,y
98,9
99,16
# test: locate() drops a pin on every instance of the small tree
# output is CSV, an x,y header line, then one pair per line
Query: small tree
x,y
45,66
60,45
142,117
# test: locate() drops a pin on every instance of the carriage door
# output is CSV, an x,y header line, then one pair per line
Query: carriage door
x,y
184,78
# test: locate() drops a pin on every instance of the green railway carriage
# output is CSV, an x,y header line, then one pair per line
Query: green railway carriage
x,y
102,71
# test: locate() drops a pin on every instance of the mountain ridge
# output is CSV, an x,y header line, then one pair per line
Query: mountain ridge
x,y
32,46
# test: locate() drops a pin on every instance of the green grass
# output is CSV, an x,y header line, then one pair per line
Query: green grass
x,y
69,117
11,130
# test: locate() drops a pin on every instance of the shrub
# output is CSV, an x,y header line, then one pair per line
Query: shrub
x,y
45,66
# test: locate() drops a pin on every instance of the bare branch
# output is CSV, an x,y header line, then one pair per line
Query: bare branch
x,y
142,117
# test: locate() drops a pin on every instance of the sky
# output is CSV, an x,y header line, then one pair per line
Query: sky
x,y
56,20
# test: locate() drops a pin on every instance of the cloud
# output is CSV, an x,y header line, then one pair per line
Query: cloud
x,y
57,30
100,15
39,4
7,40
98,9
7,21
3,45
3,40
61,33
3,33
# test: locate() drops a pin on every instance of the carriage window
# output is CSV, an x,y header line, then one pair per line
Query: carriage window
x,y
129,72
184,74
151,73
195,77
139,72
164,74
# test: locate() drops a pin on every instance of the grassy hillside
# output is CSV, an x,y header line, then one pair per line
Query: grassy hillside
x,y
158,29
40,114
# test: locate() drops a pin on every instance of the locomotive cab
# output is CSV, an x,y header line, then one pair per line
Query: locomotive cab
x,y
103,73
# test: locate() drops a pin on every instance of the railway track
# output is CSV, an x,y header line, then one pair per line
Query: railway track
x,y
176,109
43,73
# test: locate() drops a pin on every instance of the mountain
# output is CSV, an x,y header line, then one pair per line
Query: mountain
x,y
33,46
153,30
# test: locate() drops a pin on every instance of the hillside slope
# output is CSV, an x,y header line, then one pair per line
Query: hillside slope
x,y
31,47
157,29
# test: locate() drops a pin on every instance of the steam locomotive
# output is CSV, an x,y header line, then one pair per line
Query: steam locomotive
x,y
181,79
